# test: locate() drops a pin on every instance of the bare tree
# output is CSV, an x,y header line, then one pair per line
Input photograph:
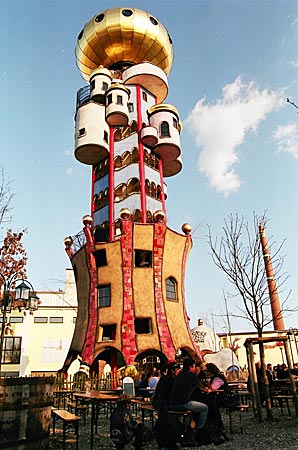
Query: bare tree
x,y
6,197
238,253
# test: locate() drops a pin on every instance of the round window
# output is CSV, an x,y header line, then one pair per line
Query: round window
x,y
127,12
153,20
99,18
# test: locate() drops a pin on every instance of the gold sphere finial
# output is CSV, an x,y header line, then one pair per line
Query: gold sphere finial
x,y
121,37
186,228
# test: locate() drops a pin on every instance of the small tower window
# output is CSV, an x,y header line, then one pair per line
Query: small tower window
x,y
175,123
103,296
105,136
130,107
82,132
92,85
109,99
105,86
143,258
171,289
119,100
164,129
143,326
144,95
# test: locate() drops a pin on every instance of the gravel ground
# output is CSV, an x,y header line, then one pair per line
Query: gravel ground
x,y
280,434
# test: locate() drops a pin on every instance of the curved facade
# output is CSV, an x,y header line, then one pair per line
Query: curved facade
x,y
130,269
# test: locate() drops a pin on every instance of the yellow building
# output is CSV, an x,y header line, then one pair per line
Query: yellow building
x,y
37,344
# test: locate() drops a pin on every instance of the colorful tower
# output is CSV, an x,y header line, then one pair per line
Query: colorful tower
x,y
129,266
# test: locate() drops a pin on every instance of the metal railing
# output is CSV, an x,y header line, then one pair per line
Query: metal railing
x,y
83,96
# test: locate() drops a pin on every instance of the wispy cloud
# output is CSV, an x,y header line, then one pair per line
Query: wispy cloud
x,y
220,128
69,171
294,63
286,137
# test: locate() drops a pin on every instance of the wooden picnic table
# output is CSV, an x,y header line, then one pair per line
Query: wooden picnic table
x,y
96,398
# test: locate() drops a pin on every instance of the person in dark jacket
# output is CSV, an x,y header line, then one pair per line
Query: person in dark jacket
x,y
123,428
182,394
163,388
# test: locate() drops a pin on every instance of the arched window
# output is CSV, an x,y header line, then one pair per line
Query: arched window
x,y
158,192
117,134
117,162
147,187
126,158
164,129
153,190
146,157
171,289
133,127
133,186
120,192
137,216
149,217
135,155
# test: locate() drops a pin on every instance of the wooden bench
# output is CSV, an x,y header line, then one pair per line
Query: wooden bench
x,y
281,398
148,410
137,403
238,408
69,420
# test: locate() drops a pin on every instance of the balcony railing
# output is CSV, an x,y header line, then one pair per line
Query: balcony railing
x,y
83,96
79,240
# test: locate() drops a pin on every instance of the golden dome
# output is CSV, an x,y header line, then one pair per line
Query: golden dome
x,y
122,37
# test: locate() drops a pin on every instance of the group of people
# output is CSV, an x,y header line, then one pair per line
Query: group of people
x,y
196,391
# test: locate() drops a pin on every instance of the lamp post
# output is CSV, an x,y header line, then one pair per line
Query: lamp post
x,y
22,297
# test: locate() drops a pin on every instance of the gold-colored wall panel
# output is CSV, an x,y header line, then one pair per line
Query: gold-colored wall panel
x,y
143,288
172,267
83,288
111,274
143,237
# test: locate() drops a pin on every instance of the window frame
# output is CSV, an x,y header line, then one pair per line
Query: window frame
x,y
171,289
101,300
165,129
14,350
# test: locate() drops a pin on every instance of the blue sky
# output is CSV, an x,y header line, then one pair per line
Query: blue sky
x,y
235,64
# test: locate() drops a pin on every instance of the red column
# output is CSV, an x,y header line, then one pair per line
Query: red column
x,y
160,168
111,186
141,157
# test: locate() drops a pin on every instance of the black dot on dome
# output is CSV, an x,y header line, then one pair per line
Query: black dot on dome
x,y
127,12
153,20
80,35
99,18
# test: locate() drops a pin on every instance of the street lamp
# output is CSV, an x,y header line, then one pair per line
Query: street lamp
x,y
22,297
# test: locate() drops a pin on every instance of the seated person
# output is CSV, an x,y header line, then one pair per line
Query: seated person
x,y
182,394
217,383
152,382
202,393
164,386
122,425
